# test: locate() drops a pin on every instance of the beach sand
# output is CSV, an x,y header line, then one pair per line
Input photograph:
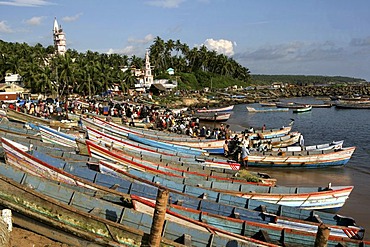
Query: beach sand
x,y
24,238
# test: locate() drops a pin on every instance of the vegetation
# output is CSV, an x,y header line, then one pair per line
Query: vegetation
x,y
92,73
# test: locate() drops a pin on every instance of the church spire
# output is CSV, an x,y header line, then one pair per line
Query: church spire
x,y
148,77
56,26
59,38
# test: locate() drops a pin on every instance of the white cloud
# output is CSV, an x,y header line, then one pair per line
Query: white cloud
x,y
128,50
110,51
166,3
35,21
4,28
221,46
135,46
147,39
26,3
71,18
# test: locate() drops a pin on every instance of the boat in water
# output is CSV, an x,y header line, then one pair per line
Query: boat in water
x,y
266,109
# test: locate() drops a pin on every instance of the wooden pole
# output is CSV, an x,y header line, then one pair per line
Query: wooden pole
x,y
322,236
158,218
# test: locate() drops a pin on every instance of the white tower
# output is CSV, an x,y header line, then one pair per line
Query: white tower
x,y
59,38
148,77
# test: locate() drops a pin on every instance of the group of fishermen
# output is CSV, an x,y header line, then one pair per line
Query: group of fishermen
x,y
234,147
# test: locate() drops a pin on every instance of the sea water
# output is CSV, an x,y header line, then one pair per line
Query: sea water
x,y
318,126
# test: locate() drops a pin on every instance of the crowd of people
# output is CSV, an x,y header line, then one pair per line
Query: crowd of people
x,y
179,122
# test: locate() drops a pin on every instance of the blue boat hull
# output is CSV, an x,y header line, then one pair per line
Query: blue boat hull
x,y
173,147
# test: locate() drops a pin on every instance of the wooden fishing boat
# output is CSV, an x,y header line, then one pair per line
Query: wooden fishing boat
x,y
323,105
119,157
100,221
217,110
328,198
31,142
118,130
228,205
275,230
108,137
290,105
334,145
214,147
268,133
151,134
26,118
122,130
143,150
267,104
284,141
168,146
63,222
212,116
237,187
304,108
50,135
10,128
352,98
321,198
302,159
352,105
264,109
211,146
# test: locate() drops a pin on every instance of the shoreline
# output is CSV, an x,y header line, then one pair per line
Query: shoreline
x,y
221,97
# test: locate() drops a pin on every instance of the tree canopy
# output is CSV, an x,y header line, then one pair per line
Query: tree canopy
x,y
91,73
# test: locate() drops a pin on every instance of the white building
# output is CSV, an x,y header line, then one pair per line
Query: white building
x,y
59,38
13,79
145,77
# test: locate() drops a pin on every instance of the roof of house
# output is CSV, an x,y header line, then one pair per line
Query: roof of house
x,y
12,88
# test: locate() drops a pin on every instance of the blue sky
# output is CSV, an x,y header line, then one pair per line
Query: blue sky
x,y
312,37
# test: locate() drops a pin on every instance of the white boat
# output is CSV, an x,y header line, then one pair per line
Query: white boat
x,y
304,108
222,109
266,109
335,145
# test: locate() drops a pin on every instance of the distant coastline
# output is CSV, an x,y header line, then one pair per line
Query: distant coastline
x,y
220,97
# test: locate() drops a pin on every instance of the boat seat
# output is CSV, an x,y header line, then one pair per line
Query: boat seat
x,y
200,160
263,236
186,240
263,208
315,218
95,211
235,215
179,202
114,186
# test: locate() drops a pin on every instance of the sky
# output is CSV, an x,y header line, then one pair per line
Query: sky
x,y
283,37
